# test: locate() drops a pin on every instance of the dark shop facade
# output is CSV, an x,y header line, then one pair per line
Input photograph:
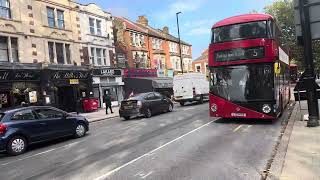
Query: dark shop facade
x,y
67,88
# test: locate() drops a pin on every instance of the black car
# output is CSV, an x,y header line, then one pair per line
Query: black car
x,y
28,125
145,104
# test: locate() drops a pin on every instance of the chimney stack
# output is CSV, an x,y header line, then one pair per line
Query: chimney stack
x,y
166,30
142,20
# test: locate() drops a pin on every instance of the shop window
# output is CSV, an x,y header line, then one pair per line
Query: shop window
x,y
60,53
60,15
23,115
51,17
198,68
51,51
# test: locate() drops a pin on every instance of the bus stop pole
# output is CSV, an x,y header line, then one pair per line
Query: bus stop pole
x,y
309,80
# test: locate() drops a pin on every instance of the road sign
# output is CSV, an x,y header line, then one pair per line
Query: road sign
x,y
314,10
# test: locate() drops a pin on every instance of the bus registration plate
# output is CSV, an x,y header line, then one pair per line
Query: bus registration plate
x,y
238,114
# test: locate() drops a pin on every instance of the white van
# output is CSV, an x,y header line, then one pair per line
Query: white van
x,y
190,87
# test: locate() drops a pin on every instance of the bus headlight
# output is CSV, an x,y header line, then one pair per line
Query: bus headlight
x,y
214,107
266,108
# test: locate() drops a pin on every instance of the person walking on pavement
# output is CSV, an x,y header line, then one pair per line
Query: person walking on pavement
x,y
107,101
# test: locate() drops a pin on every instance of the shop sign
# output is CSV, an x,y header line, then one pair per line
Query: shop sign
x,y
96,80
107,72
70,75
33,97
74,81
140,73
19,75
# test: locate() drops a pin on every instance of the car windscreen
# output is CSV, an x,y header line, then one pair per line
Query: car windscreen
x,y
243,83
242,31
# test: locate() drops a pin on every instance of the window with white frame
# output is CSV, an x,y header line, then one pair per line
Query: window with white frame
x,y
60,15
137,39
5,9
91,25
198,67
98,56
157,43
59,53
8,49
52,13
95,26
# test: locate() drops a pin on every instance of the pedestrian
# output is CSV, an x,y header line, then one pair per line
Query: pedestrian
x,y
107,101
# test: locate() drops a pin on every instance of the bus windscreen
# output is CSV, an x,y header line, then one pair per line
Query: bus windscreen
x,y
243,83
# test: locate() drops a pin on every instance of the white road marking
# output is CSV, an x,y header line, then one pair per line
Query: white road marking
x,y
150,152
237,128
247,128
41,153
187,109
143,177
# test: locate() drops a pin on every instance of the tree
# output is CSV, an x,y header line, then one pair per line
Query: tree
x,y
283,12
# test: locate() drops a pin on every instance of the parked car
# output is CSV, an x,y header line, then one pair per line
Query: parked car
x,y
21,127
145,104
190,87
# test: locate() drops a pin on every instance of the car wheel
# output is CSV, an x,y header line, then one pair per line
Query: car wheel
x,y
126,117
148,113
182,103
17,145
170,108
80,130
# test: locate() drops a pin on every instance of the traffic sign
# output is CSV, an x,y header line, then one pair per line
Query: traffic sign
x,y
314,11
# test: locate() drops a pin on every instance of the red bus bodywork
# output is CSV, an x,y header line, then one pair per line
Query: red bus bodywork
x,y
221,107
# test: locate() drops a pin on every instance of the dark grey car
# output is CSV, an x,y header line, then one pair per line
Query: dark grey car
x,y
145,104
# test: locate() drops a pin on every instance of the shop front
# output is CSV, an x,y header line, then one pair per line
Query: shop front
x,y
67,89
19,86
106,80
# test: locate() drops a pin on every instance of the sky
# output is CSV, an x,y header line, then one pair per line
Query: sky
x,y
195,21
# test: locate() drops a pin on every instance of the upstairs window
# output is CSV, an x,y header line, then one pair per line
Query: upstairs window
x,y
51,17
5,9
91,25
60,15
5,51
99,28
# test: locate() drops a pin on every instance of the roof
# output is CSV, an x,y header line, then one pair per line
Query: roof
x,y
203,56
242,19
131,25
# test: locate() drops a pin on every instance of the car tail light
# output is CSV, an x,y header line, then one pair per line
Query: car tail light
x,y
3,128
194,91
139,104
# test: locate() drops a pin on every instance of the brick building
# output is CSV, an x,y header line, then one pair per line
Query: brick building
x,y
201,63
142,46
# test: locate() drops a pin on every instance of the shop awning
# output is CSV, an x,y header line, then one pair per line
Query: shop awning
x,y
160,82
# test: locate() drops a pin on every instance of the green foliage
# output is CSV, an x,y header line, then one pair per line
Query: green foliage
x,y
283,12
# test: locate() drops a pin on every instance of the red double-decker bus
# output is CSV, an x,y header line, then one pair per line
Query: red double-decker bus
x,y
249,70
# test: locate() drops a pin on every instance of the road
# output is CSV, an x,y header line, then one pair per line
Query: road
x,y
184,144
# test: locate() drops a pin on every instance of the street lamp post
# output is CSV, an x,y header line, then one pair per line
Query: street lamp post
x,y
181,63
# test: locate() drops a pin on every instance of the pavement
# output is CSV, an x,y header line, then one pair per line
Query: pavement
x,y
301,159
184,144
100,114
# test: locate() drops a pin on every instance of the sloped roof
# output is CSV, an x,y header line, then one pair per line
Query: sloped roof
x,y
204,56
131,25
